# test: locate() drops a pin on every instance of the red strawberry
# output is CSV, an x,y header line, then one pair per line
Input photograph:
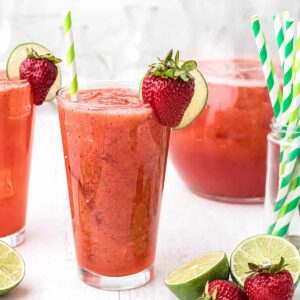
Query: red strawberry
x,y
223,290
169,89
270,282
41,71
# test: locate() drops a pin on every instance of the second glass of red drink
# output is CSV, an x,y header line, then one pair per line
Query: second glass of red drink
x,y
16,132
115,156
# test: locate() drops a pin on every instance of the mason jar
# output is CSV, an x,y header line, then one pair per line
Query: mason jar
x,y
283,182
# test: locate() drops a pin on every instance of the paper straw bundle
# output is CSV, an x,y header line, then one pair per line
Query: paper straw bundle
x,y
286,109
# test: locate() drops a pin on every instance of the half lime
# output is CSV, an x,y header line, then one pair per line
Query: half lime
x,y
12,269
264,249
188,281
19,54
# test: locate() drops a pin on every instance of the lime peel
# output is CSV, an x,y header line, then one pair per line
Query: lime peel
x,y
12,269
188,281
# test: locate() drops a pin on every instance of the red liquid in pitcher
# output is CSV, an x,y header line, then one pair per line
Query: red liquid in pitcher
x,y
222,154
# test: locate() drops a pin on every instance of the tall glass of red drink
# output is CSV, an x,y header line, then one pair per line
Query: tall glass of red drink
x,y
115,156
16,123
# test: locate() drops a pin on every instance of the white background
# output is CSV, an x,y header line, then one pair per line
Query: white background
x,y
119,38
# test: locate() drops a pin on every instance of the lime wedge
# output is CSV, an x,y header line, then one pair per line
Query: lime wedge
x,y
12,269
19,54
188,281
264,249
198,101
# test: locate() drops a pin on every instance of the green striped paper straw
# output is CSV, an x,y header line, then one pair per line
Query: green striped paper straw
x,y
290,154
268,67
284,16
283,188
287,193
286,176
274,92
279,20
70,55
288,209
297,65
289,41
279,37
290,116
294,111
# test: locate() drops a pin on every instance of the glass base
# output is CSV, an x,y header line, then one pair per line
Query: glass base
x,y
232,200
116,283
14,239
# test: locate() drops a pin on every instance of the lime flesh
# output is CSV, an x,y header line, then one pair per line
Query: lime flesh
x,y
12,269
19,54
198,101
188,281
264,249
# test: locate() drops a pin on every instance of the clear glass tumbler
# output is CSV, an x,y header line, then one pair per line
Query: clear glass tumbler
x,y
16,131
115,157
283,182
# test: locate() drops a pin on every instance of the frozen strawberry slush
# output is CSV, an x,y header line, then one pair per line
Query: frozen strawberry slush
x,y
16,122
223,152
115,155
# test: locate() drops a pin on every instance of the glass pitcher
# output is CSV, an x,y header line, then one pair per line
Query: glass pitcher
x,y
222,155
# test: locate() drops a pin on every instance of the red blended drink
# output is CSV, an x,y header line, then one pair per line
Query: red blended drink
x,y
115,142
16,130
222,155
115,155
32,73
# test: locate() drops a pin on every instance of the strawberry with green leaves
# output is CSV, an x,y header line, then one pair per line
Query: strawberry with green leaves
x,y
36,64
170,85
41,71
269,282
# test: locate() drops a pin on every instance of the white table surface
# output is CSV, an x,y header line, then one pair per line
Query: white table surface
x,y
189,226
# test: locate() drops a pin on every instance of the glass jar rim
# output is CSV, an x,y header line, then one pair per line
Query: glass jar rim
x,y
277,127
62,94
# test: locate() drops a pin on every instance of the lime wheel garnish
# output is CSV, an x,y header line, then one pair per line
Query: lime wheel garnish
x,y
19,54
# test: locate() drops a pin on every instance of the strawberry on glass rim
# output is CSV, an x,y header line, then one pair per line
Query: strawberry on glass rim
x,y
175,89
35,63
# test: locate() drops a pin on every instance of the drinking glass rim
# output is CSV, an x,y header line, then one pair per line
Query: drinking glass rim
x,y
133,85
8,84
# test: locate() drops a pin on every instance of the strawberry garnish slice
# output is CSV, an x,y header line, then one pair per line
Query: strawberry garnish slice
x,y
41,72
222,290
269,282
169,88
